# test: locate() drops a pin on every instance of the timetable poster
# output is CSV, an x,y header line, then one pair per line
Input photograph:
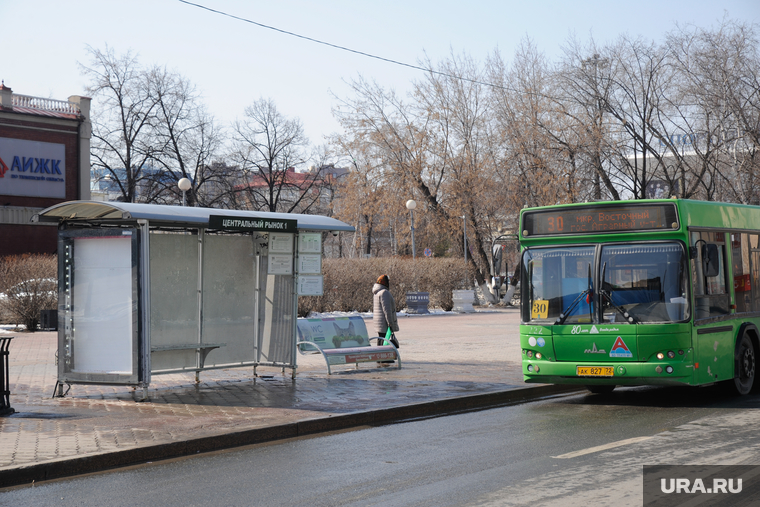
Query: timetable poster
x,y
280,243
310,242
310,264
310,285
280,264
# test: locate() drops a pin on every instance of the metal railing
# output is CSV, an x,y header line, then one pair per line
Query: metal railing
x,y
5,386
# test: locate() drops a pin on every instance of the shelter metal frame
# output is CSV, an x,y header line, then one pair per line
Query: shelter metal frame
x,y
107,247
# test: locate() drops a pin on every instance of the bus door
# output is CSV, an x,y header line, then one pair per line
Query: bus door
x,y
713,336
754,289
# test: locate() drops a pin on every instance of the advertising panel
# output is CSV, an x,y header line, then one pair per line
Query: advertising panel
x,y
334,333
32,168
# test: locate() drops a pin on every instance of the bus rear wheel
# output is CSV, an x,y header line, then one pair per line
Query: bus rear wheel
x,y
745,362
600,389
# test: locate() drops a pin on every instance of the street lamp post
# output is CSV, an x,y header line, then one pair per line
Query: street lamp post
x,y
596,62
464,221
411,204
184,185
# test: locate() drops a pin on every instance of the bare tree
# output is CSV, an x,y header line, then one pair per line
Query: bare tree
x,y
615,95
459,120
150,129
185,143
268,148
581,90
125,110
640,79
720,80
539,141
436,148
384,145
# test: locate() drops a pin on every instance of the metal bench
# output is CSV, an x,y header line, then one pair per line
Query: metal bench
x,y
202,348
5,385
342,341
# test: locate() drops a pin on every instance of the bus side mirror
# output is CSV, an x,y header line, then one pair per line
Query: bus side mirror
x,y
710,260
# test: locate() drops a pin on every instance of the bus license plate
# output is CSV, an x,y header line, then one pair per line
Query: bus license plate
x,y
595,371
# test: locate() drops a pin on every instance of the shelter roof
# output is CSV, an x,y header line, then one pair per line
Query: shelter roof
x,y
175,216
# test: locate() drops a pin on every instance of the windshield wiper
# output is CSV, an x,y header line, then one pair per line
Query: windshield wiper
x,y
589,295
608,296
566,313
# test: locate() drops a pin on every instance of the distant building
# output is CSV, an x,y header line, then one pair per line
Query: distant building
x,y
291,185
669,174
105,187
44,160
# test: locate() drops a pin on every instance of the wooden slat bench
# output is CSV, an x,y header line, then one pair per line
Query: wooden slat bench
x,y
343,340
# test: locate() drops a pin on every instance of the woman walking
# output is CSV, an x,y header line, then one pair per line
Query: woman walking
x,y
384,309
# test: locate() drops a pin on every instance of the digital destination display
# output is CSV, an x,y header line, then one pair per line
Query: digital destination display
x,y
600,219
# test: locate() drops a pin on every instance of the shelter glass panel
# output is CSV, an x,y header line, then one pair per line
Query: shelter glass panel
x,y
229,283
173,299
277,322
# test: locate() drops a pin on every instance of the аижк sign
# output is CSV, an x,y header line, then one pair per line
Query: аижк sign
x,y
32,168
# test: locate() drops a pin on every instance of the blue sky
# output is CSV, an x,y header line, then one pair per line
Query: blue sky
x,y
233,63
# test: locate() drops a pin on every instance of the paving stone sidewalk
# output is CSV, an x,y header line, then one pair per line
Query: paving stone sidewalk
x,y
445,357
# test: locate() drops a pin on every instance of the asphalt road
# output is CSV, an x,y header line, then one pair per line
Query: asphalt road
x,y
578,450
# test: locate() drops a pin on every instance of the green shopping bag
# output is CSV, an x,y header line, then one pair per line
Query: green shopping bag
x,y
390,337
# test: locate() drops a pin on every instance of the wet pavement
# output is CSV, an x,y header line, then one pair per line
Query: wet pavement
x,y
450,363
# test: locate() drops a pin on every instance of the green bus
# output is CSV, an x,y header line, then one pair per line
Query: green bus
x,y
649,292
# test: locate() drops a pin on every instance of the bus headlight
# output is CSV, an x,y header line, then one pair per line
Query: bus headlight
x,y
669,369
530,368
660,356
671,354
538,355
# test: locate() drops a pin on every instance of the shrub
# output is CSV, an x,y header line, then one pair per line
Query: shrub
x,y
348,282
28,284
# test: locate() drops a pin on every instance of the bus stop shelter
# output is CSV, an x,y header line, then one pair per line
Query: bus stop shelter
x,y
147,289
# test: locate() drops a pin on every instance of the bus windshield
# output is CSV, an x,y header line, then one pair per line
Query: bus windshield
x,y
640,283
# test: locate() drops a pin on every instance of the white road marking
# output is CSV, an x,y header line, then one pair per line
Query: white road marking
x,y
604,447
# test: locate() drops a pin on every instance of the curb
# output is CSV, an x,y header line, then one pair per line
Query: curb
x,y
58,469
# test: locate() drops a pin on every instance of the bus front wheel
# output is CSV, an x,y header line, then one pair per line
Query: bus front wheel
x,y
745,366
600,389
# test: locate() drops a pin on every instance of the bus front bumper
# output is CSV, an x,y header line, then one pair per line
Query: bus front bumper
x,y
638,373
